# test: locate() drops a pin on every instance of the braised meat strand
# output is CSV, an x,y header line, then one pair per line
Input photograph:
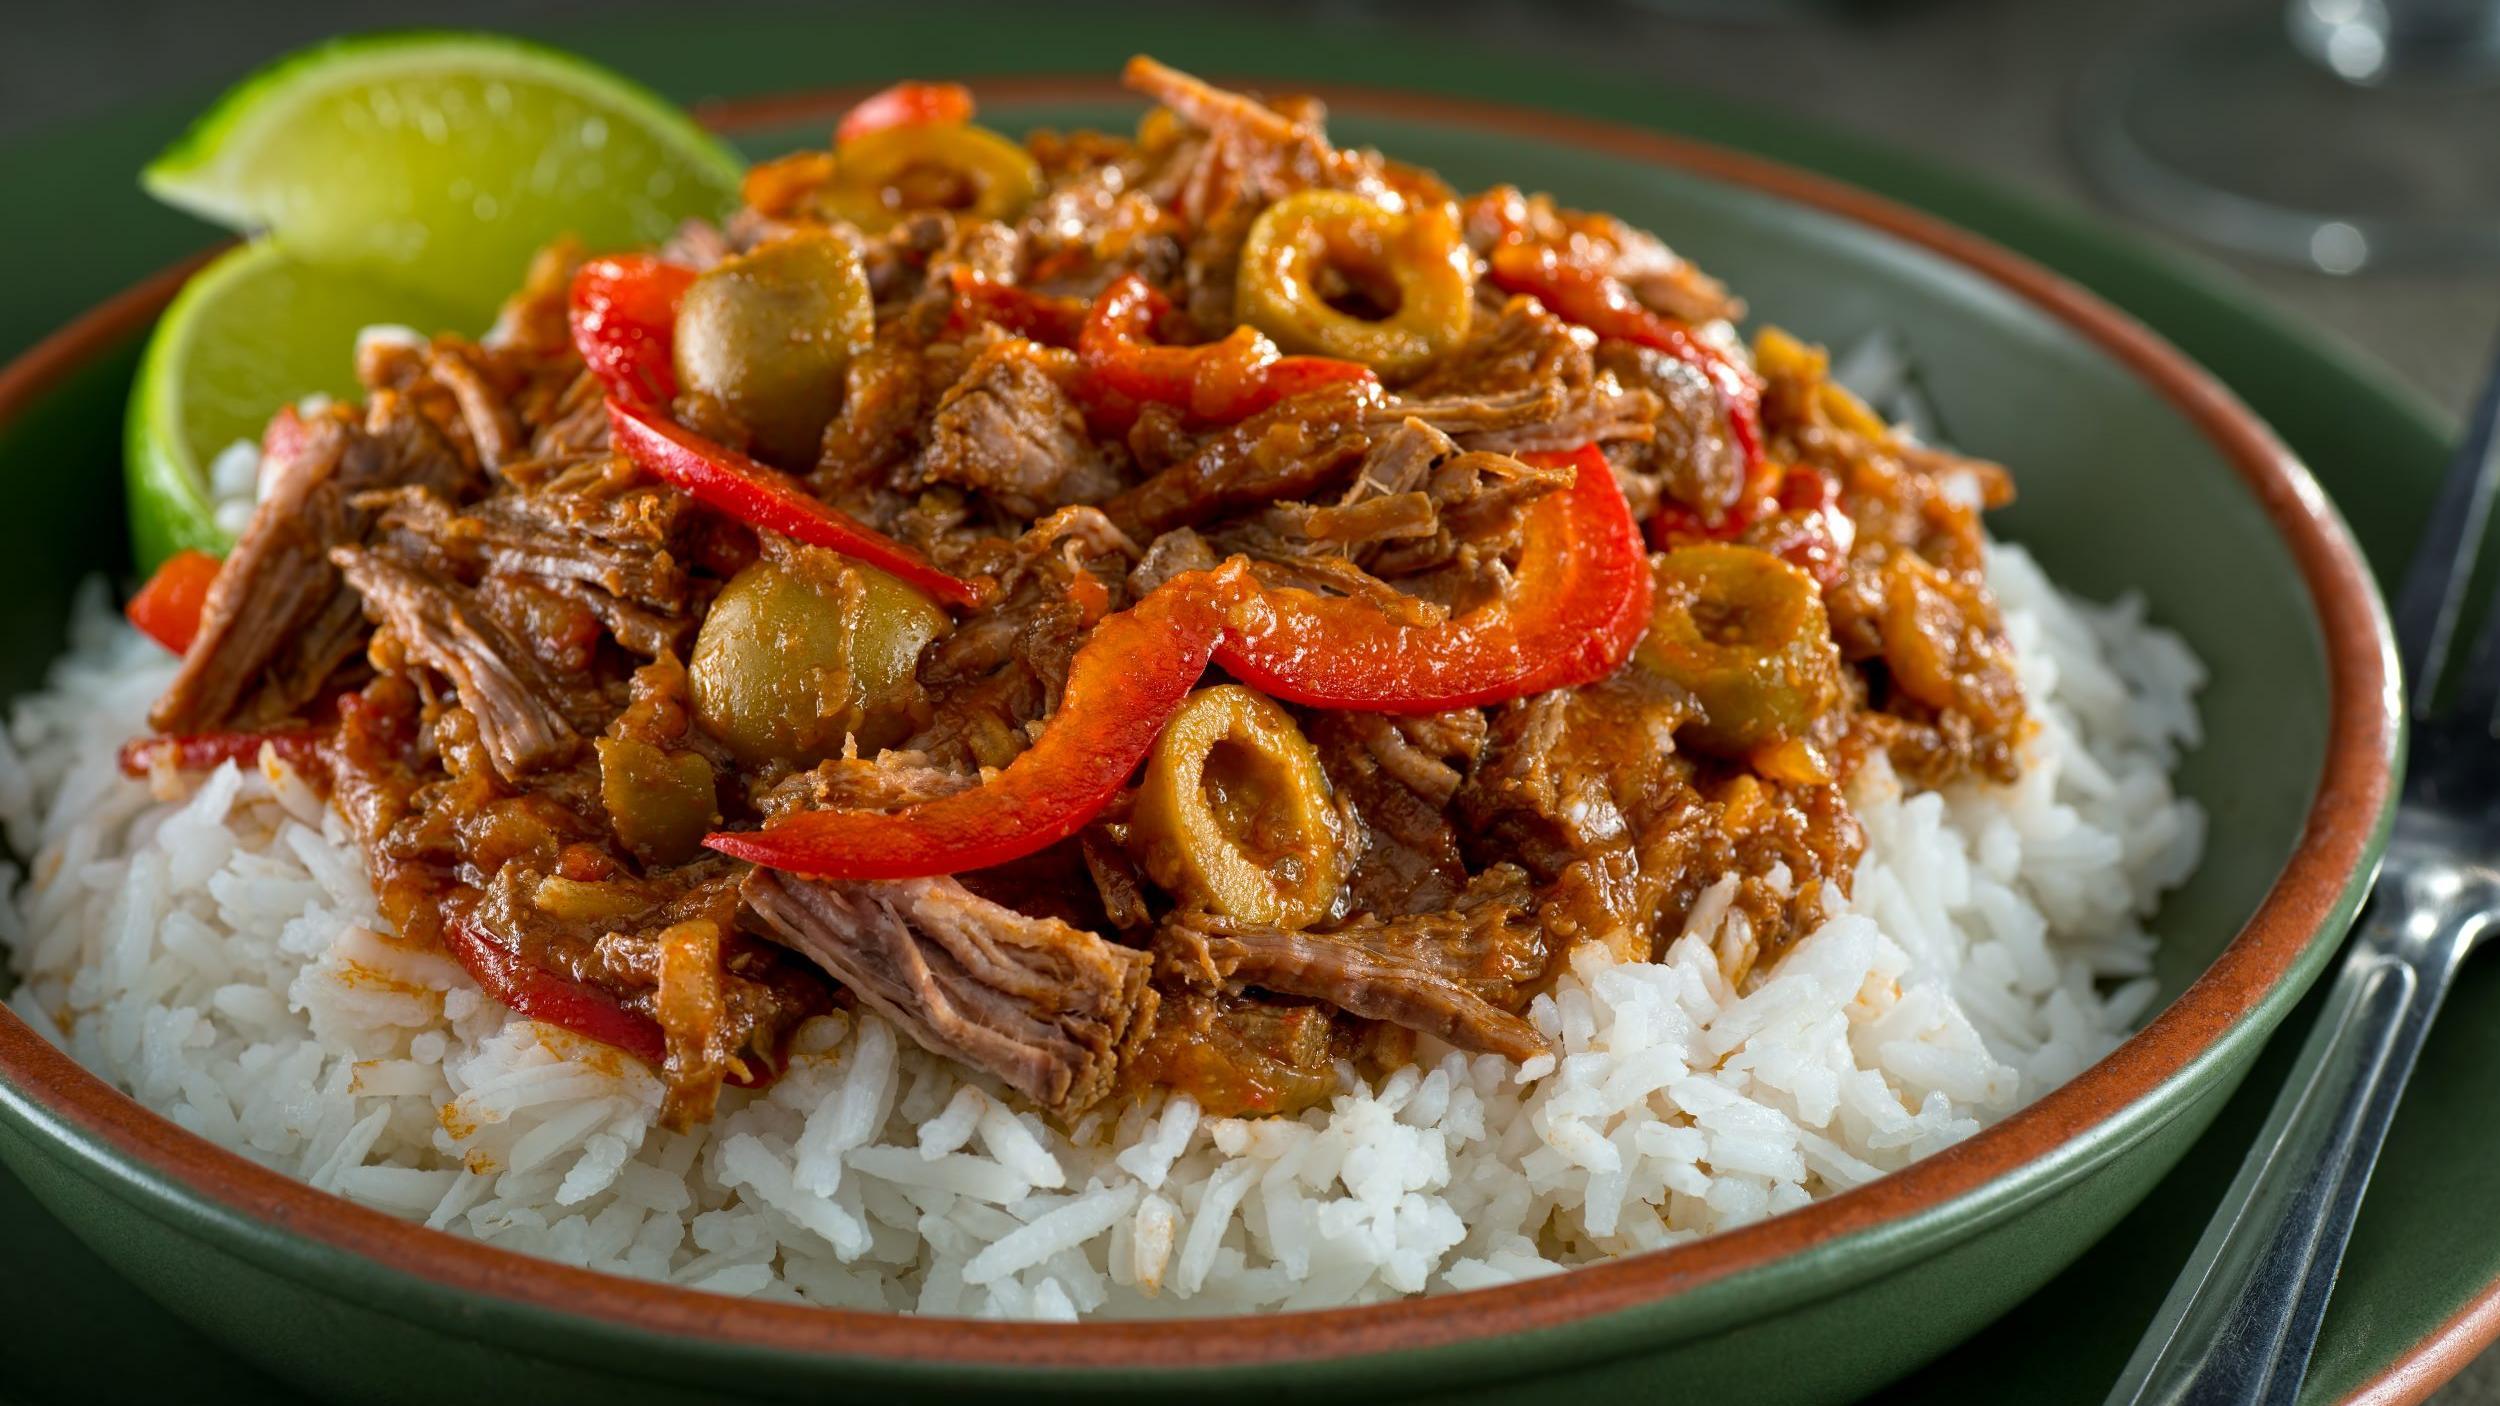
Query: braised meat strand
x,y
1040,1004
1210,611
497,671
1455,974
279,621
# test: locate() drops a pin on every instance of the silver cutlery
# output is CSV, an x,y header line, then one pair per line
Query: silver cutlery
x,y
2238,1327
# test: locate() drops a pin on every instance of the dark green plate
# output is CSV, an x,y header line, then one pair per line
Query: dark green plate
x,y
79,1328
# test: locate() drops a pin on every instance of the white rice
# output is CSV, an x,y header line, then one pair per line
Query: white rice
x,y
213,946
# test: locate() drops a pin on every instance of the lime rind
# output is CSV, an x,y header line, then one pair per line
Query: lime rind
x,y
441,162
400,177
168,497
198,173
253,330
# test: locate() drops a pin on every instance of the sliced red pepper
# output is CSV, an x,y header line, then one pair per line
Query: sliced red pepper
x,y
541,995
1124,684
1216,383
1037,317
906,105
1811,531
1675,525
623,312
1599,302
729,482
206,751
1581,603
167,609
551,999
1793,513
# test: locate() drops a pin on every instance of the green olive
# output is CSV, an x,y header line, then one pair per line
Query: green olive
x,y
798,654
1409,275
660,802
768,334
883,176
1744,633
1235,813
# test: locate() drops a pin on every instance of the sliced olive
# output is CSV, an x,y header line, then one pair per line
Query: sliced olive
x,y
768,335
1330,272
1744,633
880,177
1235,814
804,649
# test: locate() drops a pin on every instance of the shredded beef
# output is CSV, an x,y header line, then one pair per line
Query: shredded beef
x,y
525,757
1008,430
279,621
501,677
1250,153
878,428
583,530
1242,1054
1002,669
1045,1007
1572,785
1585,789
1692,454
1397,777
1451,974
1295,449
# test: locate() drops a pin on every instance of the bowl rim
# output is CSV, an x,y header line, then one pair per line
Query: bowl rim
x,y
2345,823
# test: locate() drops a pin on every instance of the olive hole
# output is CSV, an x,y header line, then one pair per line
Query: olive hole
x,y
1357,289
1720,622
1245,790
930,185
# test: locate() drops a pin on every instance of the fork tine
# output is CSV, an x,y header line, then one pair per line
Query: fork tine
x,y
2443,562
2478,688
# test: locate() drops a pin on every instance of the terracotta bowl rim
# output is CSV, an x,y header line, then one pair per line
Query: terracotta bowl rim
x,y
2344,822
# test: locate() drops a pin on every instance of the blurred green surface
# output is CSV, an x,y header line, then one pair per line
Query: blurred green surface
x,y
2374,445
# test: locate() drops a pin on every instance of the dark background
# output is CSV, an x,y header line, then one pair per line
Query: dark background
x,y
1986,87
1982,85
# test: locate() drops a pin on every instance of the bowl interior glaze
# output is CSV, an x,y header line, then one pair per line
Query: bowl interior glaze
x,y
2158,486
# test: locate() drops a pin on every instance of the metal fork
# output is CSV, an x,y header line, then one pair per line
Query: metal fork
x,y
2239,1325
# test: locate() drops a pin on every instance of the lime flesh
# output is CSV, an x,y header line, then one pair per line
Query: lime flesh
x,y
399,178
442,161
253,331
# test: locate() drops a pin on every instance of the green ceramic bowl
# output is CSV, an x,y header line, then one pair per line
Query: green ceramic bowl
x,y
2137,472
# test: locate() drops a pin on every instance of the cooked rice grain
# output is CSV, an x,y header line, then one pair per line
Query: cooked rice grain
x,y
212,945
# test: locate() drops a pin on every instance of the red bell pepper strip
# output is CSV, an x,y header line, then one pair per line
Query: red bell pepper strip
x,y
1810,530
542,995
1599,302
167,609
1794,514
906,105
1674,524
726,481
206,751
1038,317
623,312
1216,383
1124,684
1582,601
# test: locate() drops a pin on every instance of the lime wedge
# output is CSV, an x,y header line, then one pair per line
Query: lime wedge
x,y
442,161
401,178
253,331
